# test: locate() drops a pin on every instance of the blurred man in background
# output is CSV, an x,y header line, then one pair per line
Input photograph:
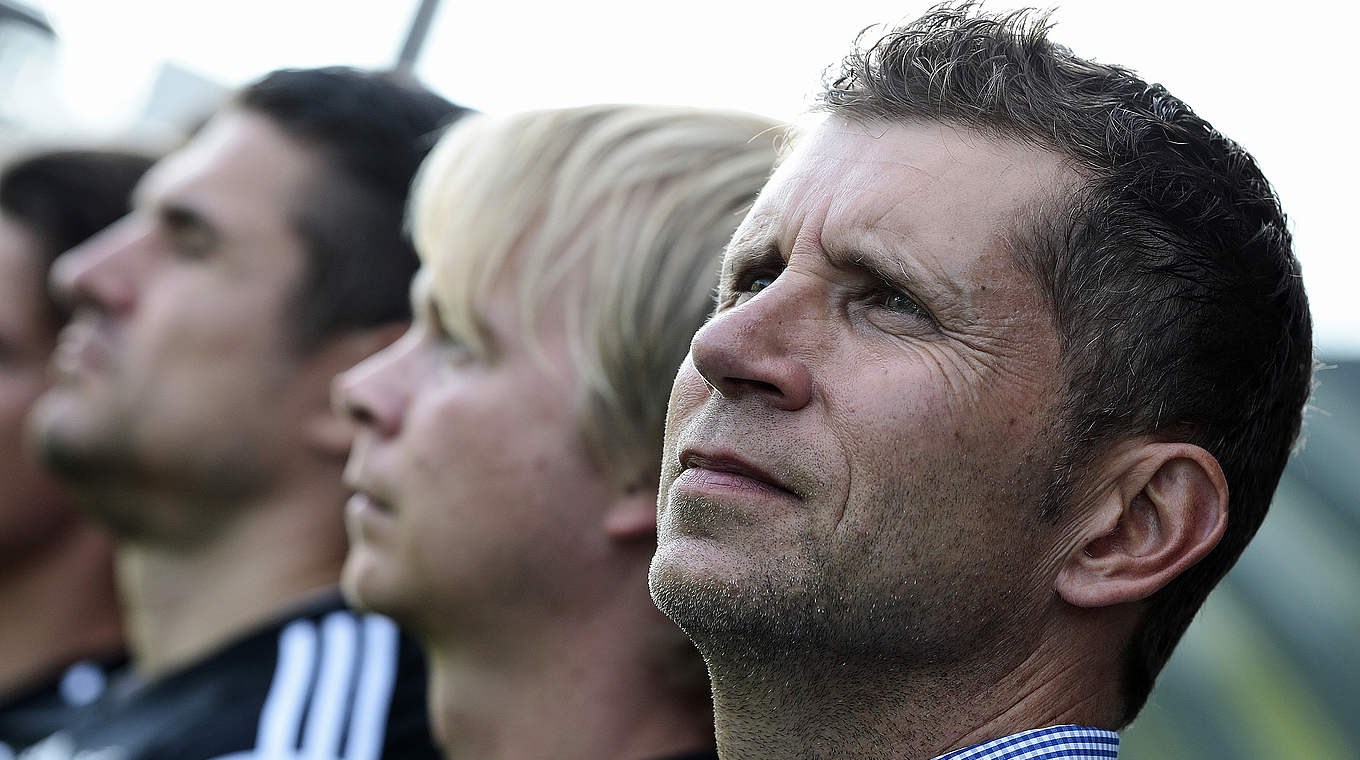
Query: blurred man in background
x,y
60,625
506,462
950,469
191,416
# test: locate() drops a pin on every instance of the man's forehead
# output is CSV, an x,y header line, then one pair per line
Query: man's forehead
x,y
926,189
238,155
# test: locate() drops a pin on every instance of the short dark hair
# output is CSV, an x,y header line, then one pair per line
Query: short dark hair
x,y
373,129
1169,271
63,197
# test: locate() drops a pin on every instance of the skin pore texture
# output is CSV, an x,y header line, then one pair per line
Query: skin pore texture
x,y
182,415
484,528
53,565
856,450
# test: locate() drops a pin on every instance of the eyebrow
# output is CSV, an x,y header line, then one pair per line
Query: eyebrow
x,y
751,253
181,218
865,252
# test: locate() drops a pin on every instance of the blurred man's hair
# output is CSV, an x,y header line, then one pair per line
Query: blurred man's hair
x,y
63,197
1169,270
372,130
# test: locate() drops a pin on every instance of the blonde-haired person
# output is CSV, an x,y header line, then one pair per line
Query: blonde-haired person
x,y
507,456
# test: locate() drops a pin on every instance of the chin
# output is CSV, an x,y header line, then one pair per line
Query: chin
x,y
689,577
364,583
62,443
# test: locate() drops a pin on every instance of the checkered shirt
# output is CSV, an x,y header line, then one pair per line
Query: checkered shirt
x,y
1065,742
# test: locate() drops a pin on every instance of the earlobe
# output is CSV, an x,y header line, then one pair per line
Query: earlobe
x,y
632,516
1167,510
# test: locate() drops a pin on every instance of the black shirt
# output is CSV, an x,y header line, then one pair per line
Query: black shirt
x,y
31,714
326,684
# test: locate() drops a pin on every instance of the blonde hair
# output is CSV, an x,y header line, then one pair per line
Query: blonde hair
x,y
620,213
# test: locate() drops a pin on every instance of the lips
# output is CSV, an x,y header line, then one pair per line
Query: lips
x,y
718,470
81,348
363,501
367,519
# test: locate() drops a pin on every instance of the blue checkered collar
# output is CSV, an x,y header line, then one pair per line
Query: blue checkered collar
x,y
1065,742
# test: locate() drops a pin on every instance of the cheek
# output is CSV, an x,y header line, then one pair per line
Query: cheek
x,y
688,393
18,390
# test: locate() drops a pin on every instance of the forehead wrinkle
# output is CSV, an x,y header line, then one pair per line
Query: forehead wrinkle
x,y
892,255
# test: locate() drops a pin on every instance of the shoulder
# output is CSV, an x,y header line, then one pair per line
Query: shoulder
x,y
325,683
346,684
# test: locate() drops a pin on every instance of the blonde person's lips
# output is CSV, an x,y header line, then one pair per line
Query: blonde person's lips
x,y
365,515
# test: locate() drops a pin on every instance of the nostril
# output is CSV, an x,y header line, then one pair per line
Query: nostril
x,y
757,386
360,415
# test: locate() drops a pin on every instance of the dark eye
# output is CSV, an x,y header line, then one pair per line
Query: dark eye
x,y
901,302
191,243
747,286
446,337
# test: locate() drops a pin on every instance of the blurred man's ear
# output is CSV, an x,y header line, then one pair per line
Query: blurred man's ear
x,y
326,432
1162,508
631,517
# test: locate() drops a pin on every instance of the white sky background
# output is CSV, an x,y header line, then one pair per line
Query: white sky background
x,y
1276,77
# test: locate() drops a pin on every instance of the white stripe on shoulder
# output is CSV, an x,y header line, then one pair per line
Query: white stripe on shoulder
x,y
281,715
373,697
326,721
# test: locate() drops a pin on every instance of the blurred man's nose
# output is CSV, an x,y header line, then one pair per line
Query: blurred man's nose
x,y
102,272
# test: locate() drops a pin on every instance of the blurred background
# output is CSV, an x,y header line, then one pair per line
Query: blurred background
x,y
1271,668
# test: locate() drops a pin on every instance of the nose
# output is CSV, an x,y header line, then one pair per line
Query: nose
x,y
103,271
752,350
376,392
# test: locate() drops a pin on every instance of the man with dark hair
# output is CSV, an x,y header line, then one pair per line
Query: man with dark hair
x,y
1006,364
191,415
61,627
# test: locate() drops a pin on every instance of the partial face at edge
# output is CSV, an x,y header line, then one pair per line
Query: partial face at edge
x,y
175,371
856,443
32,507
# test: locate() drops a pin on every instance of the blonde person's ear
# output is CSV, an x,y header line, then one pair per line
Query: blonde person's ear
x,y
631,517
1164,507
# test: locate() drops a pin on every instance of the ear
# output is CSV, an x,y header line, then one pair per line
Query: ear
x,y
325,432
632,516
1166,507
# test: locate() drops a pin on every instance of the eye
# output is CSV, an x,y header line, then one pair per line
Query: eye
x,y
901,302
748,285
191,243
445,337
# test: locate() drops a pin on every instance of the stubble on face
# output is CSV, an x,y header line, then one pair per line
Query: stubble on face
x,y
934,501
176,382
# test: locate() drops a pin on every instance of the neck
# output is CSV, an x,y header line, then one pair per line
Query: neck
x,y
68,609
182,603
580,684
827,706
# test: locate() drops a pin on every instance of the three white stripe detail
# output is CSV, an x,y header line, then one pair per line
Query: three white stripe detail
x,y
282,710
341,637
325,723
374,695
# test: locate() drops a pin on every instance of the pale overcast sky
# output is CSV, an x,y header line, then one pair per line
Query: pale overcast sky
x,y
1276,77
